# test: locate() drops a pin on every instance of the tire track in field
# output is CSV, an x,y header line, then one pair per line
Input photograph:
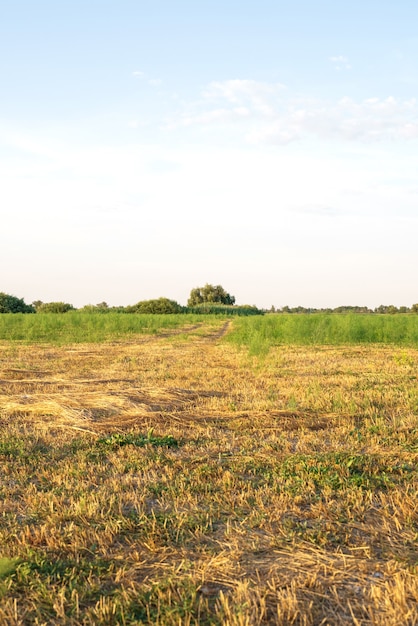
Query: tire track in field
x,y
161,335
209,337
217,334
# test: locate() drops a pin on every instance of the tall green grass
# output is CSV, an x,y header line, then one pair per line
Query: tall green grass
x,y
223,309
76,327
258,334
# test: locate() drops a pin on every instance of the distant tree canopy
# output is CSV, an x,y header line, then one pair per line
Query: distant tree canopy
x,y
53,307
383,309
101,307
210,294
11,304
160,305
210,299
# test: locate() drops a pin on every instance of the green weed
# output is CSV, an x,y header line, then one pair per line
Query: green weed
x,y
8,566
117,440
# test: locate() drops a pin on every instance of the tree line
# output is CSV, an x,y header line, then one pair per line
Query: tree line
x,y
382,309
208,299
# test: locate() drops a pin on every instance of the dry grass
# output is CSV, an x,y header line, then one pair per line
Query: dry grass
x,y
290,497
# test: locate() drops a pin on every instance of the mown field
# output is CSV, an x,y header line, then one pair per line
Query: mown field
x,y
208,471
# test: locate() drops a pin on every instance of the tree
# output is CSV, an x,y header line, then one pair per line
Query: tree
x,y
414,308
101,307
386,308
11,304
54,307
210,293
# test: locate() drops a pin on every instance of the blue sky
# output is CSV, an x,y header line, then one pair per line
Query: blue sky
x,y
148,147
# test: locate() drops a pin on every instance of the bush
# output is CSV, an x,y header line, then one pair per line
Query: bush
x,y
160,306
11,304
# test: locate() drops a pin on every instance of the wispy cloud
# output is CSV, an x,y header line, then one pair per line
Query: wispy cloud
x,y
229,101
340,63
268,113
153,82
260,97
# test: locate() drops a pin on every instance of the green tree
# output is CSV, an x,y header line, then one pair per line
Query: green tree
x,y
386,308
54,307
11,304
101,307
210,293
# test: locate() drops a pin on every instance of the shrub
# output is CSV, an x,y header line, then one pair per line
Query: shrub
x,y
160,305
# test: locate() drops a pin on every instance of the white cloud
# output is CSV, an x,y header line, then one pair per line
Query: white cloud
x,y
255,94
233,90
153,82
267,113
340,63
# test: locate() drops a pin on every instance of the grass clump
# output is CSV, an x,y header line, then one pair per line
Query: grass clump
x,y
116,440
8,566
339,471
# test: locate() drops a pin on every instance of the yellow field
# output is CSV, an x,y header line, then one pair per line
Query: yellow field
x,y
273,490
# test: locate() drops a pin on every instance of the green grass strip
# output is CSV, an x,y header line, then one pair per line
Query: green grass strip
x,y
77,327
258,334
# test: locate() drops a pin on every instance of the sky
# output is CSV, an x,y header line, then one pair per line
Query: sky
x,y
148,147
